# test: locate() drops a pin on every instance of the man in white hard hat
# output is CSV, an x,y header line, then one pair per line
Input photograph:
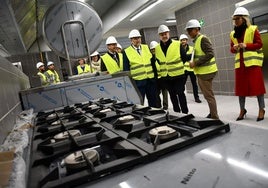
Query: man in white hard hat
x,y
112,61
171,56
204,65
95,61
119,48
187,69
156,68
51,73
41,73
137,60
246,44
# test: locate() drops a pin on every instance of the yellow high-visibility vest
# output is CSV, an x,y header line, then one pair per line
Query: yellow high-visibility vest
x,y
208,67
140,64
251,58
52,76
111,64
81,71
171,64
157,66
186,64
43,78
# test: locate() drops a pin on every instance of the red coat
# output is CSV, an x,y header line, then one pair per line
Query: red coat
x,y
249,80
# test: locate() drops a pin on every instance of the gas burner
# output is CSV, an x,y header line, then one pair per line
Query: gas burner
x,y
146,111
64,121
86,164
65,135
104,102
79,136
83,104
120,105
173,134
126,125
55,116
163,133
58,122
105,110
123,107
126,118
79,159
164,118
103,114
90,108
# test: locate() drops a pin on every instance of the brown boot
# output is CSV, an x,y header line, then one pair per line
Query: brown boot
x,y
241,115
261,115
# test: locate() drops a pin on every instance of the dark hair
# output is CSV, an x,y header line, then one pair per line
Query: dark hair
x,y
95,55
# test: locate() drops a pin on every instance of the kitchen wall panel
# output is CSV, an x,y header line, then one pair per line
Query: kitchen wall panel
x,y
12,80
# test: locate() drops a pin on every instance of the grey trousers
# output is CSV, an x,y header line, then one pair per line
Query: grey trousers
x,y
260,98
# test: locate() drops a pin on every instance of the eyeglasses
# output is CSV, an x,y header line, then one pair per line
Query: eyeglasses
x,y
237,18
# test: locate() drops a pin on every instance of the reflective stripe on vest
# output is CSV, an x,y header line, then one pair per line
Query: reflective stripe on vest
x,y
186,64
251,58
111,64
140,65
171,64
208,67
81,71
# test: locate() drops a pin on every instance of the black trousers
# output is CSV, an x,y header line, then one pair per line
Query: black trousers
x,y
164,96
194,83
148,87
176,88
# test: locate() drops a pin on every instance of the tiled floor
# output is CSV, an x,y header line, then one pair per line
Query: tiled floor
x,y
228,109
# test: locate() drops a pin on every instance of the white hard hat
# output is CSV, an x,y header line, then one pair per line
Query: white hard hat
x,y
134,33
50,63
94,54
183,36
153,44
111,40
119,46
241,11
39,64
162,29
192,24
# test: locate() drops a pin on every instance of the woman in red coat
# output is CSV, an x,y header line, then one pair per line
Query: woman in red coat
x,y
246,43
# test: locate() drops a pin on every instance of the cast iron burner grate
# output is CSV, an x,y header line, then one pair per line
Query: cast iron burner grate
x,y
119,134
112,156
70,140
187,133
52,117
69,121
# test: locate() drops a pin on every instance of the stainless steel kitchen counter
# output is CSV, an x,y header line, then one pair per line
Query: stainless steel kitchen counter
x,y
118,87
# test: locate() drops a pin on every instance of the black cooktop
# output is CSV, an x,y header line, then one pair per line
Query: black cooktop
x,y
86,141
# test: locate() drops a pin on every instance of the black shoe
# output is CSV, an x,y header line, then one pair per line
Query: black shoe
x,y
208,116
198,100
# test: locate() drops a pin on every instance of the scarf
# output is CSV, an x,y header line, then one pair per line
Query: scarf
x,y
239,30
